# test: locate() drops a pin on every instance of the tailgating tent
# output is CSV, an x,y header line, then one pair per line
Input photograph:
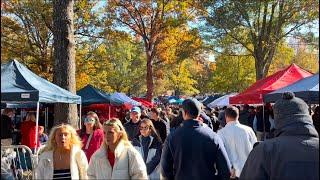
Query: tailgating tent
x,y
144,102
306,89
210,99
282,78
92,95
124,99
20,85
221,101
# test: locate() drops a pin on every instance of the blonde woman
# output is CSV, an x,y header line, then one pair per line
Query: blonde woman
x,y
116,158
149,144
62,157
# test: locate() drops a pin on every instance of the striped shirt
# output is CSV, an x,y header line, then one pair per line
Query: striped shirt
x,y
62,174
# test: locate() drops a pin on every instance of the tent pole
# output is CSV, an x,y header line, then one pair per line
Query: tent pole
x,y
109,111
37,127
80,123
46,120
264,127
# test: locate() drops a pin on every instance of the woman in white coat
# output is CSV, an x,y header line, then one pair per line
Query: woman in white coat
x,y
116,158
62,157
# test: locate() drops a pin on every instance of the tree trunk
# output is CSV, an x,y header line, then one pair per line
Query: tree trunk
x,y
149,76
64,55
262,64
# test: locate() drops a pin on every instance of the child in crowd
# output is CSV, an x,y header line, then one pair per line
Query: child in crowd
x,y
42,136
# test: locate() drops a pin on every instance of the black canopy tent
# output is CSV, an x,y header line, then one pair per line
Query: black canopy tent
x,y
22,86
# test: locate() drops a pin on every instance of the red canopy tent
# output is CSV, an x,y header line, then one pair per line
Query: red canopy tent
x,y
102,110
282,78
144,102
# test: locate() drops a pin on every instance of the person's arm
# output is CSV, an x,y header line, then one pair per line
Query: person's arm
x,y
137,167
163,132
253,137
254,167
82,162
255,123
154,162
91,172
166,162
223,164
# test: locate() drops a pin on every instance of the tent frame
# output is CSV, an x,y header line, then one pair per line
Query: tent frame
x,y
46,120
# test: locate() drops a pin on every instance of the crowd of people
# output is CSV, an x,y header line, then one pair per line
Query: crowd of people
x,y
187,141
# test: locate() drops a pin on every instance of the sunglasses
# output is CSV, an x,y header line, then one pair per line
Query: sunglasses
x,y
89,120
144,128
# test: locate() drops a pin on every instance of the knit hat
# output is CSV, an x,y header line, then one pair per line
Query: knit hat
x,y
192,106
290,109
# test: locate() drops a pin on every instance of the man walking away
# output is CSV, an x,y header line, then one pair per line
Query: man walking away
x,y
238,140
193,150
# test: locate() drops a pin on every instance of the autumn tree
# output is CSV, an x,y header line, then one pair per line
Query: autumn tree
x,y
262,24
178,61
26,35
148,19
26,32
64,56
232,73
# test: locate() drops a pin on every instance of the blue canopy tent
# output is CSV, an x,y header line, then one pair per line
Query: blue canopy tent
x,y
124,99
20,85
175,100
306,89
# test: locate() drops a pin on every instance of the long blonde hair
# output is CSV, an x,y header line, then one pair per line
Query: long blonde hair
x,y
31,117
116,123
74,138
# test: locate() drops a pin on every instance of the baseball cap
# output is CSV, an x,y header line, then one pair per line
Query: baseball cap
x,y
136,109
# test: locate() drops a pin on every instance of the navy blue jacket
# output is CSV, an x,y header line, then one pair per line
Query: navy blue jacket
x,y
192,152
132,129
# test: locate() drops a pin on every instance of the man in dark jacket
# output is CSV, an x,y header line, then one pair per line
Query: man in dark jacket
x,y
159,124
294,152
244,115
6,127
132,127
193,150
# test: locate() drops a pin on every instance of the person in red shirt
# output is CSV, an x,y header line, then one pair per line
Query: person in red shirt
x,y
28,132
91,134
28,138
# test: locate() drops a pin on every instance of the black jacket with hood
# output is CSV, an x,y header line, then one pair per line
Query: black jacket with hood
x,y
293,153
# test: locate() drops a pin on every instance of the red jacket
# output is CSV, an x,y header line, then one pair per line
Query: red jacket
x,y
28,133
94,145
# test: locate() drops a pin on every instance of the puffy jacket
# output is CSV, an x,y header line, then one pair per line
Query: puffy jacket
x,y
292,154
78,165
194,151
128,164
153,157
